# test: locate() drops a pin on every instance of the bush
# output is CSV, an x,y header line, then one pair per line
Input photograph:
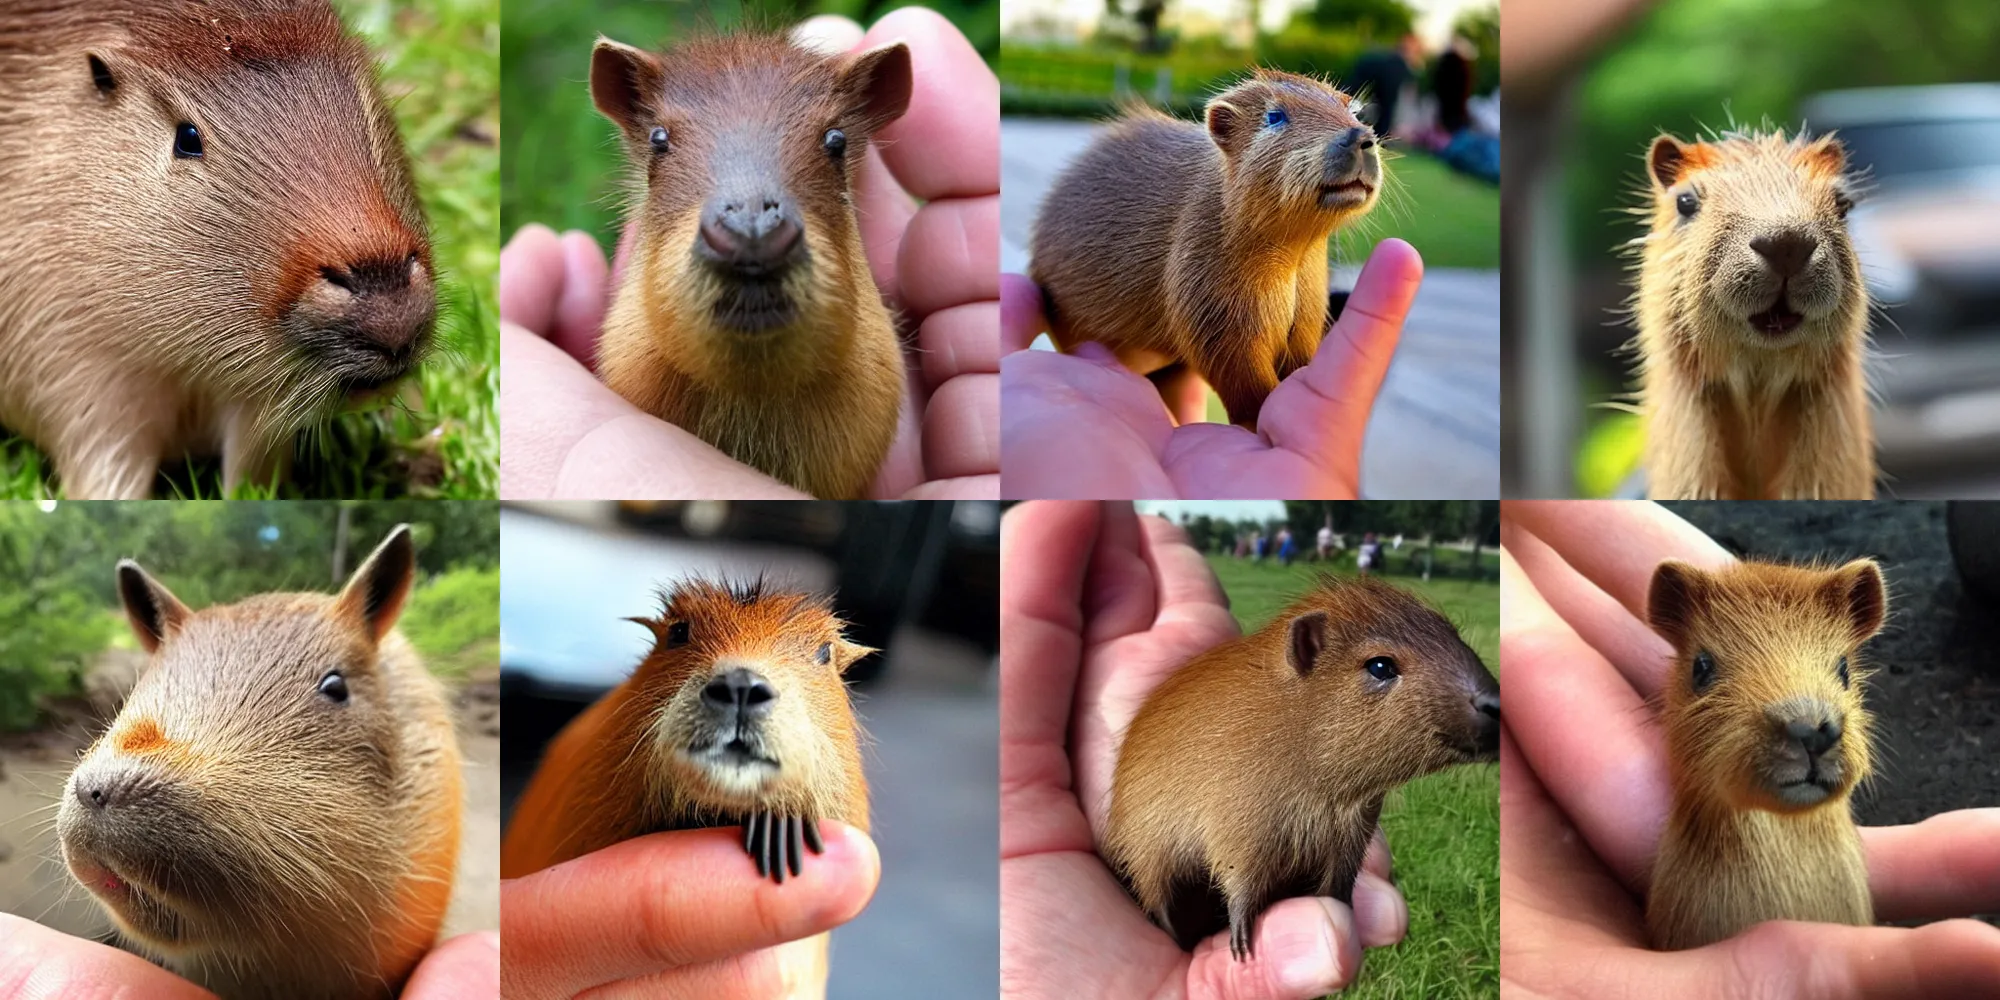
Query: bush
x,y
454,620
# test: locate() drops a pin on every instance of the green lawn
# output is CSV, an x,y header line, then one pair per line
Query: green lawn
x,y
440,66
1444,830
1452,220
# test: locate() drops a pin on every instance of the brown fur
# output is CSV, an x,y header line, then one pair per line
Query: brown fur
x,y
1740,846
621,769
810,398
256,835
1732,412
1172,245
1257,771
153,306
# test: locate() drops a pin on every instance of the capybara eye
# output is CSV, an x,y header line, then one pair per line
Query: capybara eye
x,y
1845,681
835,143
334,686
1687,203
100,75
1276,117
825,653
187,141
677,635
1842,203
1704,671
658,139
1381,668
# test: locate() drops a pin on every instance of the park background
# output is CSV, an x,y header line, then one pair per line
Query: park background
x,y
439,437
68,657
1443,829
1583,109
1065,65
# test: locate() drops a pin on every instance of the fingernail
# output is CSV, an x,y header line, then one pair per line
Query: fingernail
x,y
1320,965
1381,916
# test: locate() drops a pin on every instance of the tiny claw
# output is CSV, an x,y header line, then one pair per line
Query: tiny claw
x,y
813,842
763,851
778,860
750,835
794,831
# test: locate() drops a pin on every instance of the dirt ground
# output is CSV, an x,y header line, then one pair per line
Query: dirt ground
x,y
1936,691
33,767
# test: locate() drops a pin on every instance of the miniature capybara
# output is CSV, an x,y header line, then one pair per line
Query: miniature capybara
x,y
1172,245
1767,738
209,238
1256,772
275,811
746,313
1752,318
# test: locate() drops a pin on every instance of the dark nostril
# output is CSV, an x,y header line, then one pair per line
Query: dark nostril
x,y
1487,704
336,277
741,690
1815,739
1786,252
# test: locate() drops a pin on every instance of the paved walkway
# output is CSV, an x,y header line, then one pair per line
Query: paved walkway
x,y
1436,431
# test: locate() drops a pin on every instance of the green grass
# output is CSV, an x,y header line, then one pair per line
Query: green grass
x,y
1444,830
440,438
454,621
1452,219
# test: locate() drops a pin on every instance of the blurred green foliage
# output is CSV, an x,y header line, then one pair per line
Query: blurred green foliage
x,y
454,620
560,164
58,608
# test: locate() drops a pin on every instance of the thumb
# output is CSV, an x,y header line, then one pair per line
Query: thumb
x,y
37,963
466,967
1300,949
1321,411
1952,958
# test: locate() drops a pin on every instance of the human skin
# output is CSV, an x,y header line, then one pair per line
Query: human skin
x,y
927,198
1585,794
1081,425
1097,607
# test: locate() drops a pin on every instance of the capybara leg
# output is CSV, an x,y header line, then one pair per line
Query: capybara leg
x,y
121,471
1243,393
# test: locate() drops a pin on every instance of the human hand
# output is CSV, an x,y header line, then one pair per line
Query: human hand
x,y
680,914
566,434
1082,425
1097,607
1585,795
38,962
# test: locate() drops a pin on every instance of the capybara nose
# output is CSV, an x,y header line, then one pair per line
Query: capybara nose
x,y
1356,138
1815,739
102,788
1487,704
743,692
751,234
386,306
1787,252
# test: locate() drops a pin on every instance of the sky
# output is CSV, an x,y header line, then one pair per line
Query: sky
x,y
1233,510
1434,17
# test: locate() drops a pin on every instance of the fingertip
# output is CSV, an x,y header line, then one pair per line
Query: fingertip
x,y
857,865
1381,915
1021,319
1299,948
1095,353
827,34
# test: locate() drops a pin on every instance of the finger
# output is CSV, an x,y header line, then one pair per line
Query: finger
x,y
1946,866
1381,916
579,311
1604,624
1590,737
566,434
1021,318
831,34
1185,394
1187,587
963,340
667,900
1556,894
1955,958
1321,411
795,968
1042,568
1119,595
1300,948
1377,859
37,963
466,967
1071,427
947,145
950,255
962,428
531,278
883,210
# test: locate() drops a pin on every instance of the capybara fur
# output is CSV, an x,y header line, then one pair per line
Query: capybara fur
x,y
1256,772
209,238
1174,245
746,313
274,813
1767,738
738,716
1752,320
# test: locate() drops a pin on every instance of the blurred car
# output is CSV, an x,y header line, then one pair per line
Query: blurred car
x,y
1927,230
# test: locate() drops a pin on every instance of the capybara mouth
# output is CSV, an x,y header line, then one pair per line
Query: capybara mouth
x,y
757,304
137,905
1352,191
1777,320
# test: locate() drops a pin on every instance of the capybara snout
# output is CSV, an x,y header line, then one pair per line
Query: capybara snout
x,y
368,323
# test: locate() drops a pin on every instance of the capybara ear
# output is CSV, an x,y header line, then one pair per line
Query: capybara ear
x,y
845,654
1859,596
153,610
374,596
1826,154
624,81
1223,118
1667,161
1308,637
1670,604
875,83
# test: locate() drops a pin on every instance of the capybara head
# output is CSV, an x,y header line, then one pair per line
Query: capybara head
x,y
1752,231
746,147
1294,144
751,712
259,193
1387,683
234,809
1763,707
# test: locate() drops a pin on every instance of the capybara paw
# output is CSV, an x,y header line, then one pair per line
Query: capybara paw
x,y
778,843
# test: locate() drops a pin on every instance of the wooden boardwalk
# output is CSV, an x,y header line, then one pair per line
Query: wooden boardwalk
x,y
1436,430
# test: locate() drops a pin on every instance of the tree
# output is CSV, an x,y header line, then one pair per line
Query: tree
x,y
1382,20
